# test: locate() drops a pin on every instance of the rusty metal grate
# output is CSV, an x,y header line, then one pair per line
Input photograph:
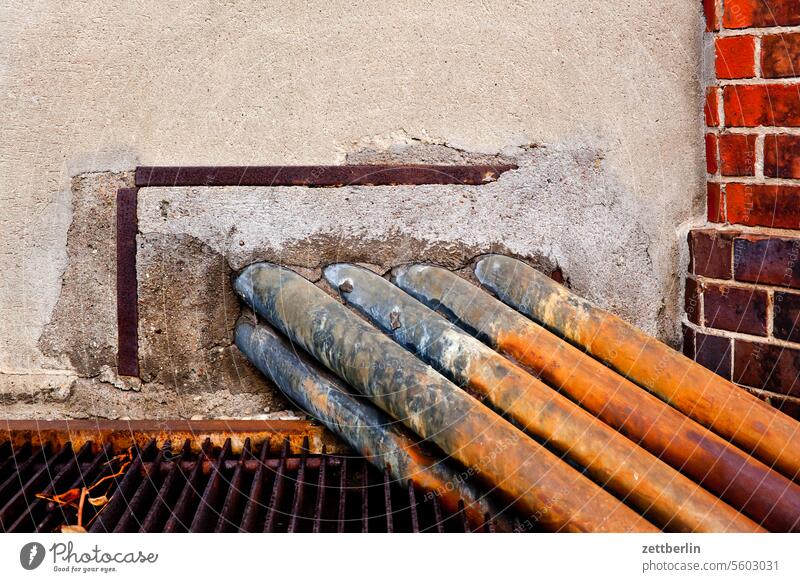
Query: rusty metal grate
x,y
167,488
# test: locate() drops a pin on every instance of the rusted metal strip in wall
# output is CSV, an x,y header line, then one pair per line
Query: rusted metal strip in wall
x,y
317,176
259,176
127,289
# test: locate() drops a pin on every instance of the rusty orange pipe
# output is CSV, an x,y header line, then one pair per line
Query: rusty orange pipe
x,y
694,390
748,485
658,491
541,485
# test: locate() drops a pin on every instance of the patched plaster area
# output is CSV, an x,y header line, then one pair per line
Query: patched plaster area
x,y
190,369
563,208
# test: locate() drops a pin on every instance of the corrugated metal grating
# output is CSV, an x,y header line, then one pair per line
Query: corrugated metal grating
x,y
168,488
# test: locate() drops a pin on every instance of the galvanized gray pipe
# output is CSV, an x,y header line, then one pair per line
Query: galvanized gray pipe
x,y
656,489
384,442
541,485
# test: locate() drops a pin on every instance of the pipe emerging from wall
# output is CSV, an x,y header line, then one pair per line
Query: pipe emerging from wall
x,y
384,442
766,496
526,473
658,491
694,390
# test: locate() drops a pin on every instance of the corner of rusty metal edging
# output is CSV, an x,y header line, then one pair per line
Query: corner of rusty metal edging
x,y
309,176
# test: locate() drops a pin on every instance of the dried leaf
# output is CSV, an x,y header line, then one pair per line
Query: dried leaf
x,y
66,498
98,501
76,497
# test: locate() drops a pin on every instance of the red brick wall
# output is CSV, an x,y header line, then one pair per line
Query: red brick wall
x,y
743,288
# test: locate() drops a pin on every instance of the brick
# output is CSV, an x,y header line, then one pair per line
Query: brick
x,y
688,342
735,309
737,154
766,366
760,13
782,156
711,153
786,316
715,208
735,57
767,260
711,109
710,13
714,352
786,406
780,55
711,253
691,301
765,105
763,205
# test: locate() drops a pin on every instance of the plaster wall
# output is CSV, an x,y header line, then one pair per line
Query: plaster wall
x,y
599,102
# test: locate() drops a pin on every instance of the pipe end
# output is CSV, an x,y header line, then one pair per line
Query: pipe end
x,y
405,273
339,275
486,265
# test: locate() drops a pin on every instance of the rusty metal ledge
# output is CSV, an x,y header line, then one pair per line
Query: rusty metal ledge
x,y
319,176
127,287
122,433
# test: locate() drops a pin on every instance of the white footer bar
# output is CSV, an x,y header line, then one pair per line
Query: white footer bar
x,y
417,557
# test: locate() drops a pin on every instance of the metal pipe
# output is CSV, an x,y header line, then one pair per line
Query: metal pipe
x,y
655,489
696,391
542,485
384,442
748,485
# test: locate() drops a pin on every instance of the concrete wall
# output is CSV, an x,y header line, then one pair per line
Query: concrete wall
x,y
599,102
